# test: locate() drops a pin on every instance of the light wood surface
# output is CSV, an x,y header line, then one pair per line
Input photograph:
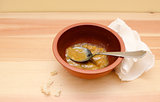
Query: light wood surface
x,y
79,5
26,59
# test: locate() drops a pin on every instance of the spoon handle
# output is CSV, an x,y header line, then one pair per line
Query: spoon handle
x,y
131,54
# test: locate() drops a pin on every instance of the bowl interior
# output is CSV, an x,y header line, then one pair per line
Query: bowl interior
x,y
88,34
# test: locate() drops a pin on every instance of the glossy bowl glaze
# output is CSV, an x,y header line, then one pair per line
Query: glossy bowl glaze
x,y
88,33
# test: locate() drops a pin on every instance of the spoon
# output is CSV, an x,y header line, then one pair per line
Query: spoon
x,y
88,55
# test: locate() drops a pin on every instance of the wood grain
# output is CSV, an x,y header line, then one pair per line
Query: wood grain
x,y
26,59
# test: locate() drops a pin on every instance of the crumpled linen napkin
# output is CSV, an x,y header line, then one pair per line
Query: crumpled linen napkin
x,y
132,68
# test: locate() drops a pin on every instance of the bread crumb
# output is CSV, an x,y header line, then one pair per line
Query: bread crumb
x,y
58,93
45,91
49,83
53,73
47,87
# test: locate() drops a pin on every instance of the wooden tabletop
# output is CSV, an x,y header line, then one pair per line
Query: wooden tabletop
x,y
26,59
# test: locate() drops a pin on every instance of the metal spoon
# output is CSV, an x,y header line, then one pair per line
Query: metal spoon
x,y
89,55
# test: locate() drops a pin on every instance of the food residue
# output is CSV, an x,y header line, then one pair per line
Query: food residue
x,y
76,53
96,62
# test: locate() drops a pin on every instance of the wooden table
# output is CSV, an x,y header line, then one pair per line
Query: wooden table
x,y
26,59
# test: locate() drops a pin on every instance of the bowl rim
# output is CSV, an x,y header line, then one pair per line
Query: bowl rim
x,y
84,71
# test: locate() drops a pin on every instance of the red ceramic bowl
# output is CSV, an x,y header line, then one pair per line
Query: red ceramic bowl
x,y
88,33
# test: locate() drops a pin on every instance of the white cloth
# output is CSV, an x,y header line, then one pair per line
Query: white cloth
x,y
131,68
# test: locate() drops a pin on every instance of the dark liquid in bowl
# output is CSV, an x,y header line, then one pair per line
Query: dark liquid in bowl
x,y
96,62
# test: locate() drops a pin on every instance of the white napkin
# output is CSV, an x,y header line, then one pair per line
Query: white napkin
x,y
131,68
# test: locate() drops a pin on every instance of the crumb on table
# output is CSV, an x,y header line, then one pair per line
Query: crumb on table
x,y
58,93
48,86
53,73
49,83
45,91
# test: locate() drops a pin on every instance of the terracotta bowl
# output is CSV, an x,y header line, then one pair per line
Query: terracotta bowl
x,y
88,33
